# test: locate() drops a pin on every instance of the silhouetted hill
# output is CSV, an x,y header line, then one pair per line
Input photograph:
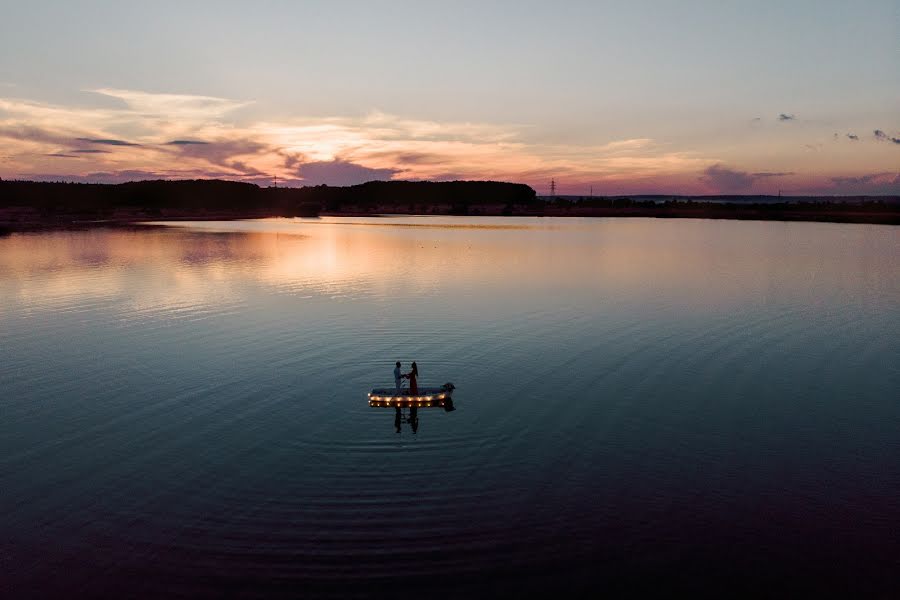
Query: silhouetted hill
x,y
149,196
452,196
30,204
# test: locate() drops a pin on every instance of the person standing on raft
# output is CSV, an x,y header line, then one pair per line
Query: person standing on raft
x,y
397,377
412,375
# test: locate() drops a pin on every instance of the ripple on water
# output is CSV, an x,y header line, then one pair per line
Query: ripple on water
x,y
187,416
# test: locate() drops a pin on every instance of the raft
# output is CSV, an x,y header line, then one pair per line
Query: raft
x,y
427,396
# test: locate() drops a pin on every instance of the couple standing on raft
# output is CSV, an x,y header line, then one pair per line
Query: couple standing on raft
x,y
412,375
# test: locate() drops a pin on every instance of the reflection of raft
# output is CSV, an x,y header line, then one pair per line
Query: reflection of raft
x,y
427,396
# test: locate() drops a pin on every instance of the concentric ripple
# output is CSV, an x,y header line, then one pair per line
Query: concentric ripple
x,y
184,408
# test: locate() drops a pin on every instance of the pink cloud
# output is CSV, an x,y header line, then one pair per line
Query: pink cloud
x,y
340,172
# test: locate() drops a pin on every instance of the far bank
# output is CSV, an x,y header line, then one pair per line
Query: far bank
x,y
31,206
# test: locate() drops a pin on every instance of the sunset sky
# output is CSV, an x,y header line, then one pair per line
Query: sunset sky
x,y
632,97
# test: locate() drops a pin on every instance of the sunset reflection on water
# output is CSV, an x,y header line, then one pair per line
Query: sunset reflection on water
x,y
710,265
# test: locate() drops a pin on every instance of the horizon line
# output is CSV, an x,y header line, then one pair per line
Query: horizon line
x,y
537,195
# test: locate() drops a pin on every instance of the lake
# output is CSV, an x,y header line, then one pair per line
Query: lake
x,y
642,405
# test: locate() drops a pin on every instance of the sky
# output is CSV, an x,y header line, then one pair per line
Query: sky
x,y
628,97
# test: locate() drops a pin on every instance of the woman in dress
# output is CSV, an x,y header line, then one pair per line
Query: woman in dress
x,y
413,385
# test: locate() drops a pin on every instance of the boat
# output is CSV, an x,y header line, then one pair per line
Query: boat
x,y
427,396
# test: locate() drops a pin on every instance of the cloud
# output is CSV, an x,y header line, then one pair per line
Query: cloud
x,y
62,155
244,169
291,160
185,142
123,175
30,133
873,184
883,137
861,179
449,177
98,177
412,158
340,172
174,105
224,153
765,174
108,142
724,179
852,136
786,117
64,121
90,151
387,126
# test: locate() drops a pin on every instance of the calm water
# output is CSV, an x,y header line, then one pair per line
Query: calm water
x,y
641,405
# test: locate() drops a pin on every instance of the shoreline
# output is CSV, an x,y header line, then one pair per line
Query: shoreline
x,y
824,214
42,206
829,213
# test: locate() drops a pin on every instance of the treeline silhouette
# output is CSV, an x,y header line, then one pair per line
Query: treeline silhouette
x,y
49,202
455,197
28,205
733,203
86,198
845,210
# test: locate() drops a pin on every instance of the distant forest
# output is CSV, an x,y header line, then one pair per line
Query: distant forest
x,y
215,196
27,205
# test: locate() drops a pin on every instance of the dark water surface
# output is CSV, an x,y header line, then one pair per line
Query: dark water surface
x,y
642,405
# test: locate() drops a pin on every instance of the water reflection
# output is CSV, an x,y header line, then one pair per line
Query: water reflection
x,y
713,397
406,412
697,265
